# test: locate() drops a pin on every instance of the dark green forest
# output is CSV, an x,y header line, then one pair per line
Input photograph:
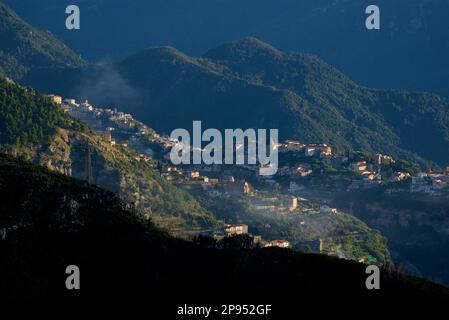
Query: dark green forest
x,y
24,48
27,117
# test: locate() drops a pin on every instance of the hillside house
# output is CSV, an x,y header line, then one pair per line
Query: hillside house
x,y
360,166
291,146
278,243
304,171
193,174
108,134
238,229
290,202
310,150
237,188
324,150
86,106
380,159
70,102
56,99
398,176
369,175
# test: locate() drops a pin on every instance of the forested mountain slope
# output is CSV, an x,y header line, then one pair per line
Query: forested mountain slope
x,y
23,48
34,128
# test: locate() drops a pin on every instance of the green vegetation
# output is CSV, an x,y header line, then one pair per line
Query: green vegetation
x,y
404,166
33,127
343,234
26,117
24,48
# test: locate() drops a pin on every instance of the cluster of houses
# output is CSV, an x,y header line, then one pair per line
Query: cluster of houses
x,y
221,185
108,122
308,149
301,170
218,183
369,171
243,229
421,182
276,203
323,151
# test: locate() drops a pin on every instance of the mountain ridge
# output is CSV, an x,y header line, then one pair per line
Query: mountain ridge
x,y
25,48
408,52
251,84
301,95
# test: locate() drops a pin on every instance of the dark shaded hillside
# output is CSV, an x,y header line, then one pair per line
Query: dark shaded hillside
x,y
416,122
24,48
416,225
49,221
248,84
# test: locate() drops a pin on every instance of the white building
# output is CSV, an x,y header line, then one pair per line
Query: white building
x,y
278,243
290,202
71,102
56,99
238,229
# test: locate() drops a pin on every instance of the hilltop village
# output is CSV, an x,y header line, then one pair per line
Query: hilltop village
x,y
297,160
260,202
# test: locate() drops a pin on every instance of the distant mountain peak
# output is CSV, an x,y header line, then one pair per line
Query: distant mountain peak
x,y
161,53
255,42
247,48
151,60
166,50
